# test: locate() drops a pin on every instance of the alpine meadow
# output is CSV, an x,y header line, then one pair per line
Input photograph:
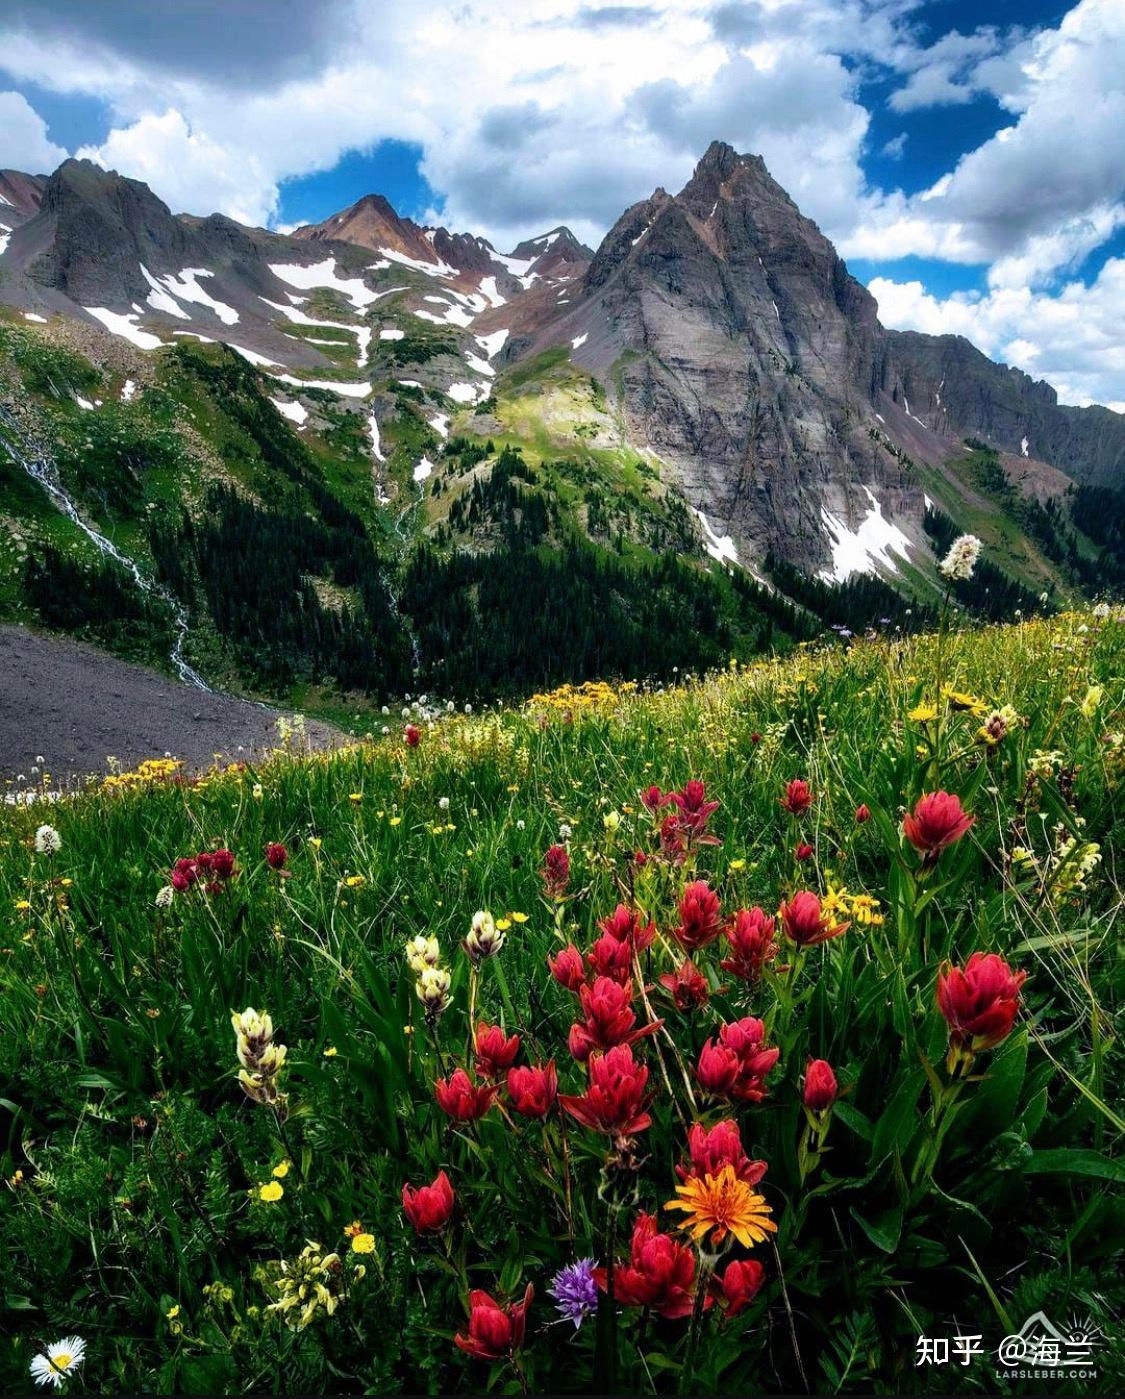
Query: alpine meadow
x,y
562,697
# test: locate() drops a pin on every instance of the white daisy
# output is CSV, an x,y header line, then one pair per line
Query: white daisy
x,y
60,1361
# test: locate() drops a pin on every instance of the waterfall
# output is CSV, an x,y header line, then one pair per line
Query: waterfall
x,y
40,469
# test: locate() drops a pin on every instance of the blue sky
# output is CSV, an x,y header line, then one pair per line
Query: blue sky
x,y
966,158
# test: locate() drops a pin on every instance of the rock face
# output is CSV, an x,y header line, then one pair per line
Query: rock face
x,y
20,196
371,223
720,320
557,254
960,392
743,353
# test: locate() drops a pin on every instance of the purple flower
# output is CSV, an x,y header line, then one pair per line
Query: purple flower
x,y
575,1291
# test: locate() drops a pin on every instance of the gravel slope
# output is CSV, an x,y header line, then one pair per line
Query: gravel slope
x,y
74,705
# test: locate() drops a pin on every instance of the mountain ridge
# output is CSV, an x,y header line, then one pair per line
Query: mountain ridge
x,y
710,384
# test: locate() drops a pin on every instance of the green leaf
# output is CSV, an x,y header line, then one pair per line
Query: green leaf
x,y
1074,1161
883,1232
900,1119
857,1121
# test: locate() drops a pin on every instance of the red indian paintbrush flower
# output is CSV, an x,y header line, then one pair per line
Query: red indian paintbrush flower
x,y
429,1206
862,814
979,1001
413,735
805,924
184,874
652,798
700,916
556,871
277,857
608,1007
611,958
739,1284
736,1066
495,1053
937,820
687,986
746,1037
821,1087
614,1102
660,1273
803,851
694,811
752,945
568,968
532,1090
628,925
711,1149
219,863
717,1069
672,844
462,1099
798,797
494,1332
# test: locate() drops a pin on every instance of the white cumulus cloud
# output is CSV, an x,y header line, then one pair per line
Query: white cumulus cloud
x,y
24,143
1072,338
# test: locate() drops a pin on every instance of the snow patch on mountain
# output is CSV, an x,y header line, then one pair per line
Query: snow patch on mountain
x,y
295,412
489,291
468,393
454,315
482,366
324,274
860,550
423,470
492,344
373,429
168,291
579,341
719,546
392,334
124,325
332,385
437,268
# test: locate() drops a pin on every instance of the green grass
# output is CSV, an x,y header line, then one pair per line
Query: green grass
x,y
133,1161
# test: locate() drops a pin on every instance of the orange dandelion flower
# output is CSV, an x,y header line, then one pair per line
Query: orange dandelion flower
x,y
721,1205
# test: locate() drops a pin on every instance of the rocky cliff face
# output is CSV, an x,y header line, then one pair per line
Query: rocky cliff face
x,y
742,352
20,195
720,321
960,392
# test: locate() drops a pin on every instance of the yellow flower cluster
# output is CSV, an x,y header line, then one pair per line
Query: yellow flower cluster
x,y
863,909
151,770
310,1285
591,694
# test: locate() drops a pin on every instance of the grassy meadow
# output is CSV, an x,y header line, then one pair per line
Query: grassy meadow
x,y
199,1238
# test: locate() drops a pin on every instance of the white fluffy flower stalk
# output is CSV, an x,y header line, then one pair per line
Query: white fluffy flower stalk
x,y
261,1059
959,563
47,841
